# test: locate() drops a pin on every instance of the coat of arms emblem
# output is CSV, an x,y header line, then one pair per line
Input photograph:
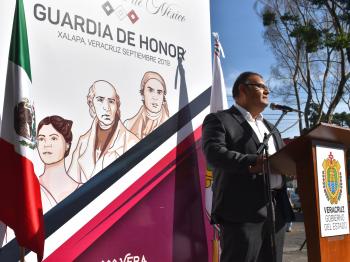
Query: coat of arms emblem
x,y
332,179
24,123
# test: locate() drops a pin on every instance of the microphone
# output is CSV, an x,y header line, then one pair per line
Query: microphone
x,y
274,106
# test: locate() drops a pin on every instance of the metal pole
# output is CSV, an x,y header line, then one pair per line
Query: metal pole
x,y
264,151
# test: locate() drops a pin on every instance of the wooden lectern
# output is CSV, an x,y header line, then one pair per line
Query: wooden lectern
x,y
298,158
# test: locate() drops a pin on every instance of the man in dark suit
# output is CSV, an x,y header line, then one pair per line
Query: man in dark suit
x,y
230,140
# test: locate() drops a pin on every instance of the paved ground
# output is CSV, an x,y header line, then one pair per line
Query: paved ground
x,y
293,242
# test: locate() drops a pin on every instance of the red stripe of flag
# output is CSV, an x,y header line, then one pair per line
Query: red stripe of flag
x,y
20,206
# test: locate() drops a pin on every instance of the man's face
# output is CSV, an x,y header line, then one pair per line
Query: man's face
x,y
256,93
104,104
153,95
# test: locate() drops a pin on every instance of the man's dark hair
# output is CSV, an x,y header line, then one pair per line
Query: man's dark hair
x,y
241,79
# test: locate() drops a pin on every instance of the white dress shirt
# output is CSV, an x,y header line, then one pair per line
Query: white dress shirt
x,y
260,129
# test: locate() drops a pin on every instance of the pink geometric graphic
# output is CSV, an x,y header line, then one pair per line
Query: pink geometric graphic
x,y
133,16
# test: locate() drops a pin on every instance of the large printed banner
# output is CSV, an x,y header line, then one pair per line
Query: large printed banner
x,y
120,88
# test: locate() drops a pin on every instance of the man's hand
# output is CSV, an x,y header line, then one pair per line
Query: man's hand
x,y
258,167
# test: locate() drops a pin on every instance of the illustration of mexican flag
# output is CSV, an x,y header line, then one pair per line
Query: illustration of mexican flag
x,y
20,205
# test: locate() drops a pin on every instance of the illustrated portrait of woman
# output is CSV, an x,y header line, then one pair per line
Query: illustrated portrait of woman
x,y
154,110
54,138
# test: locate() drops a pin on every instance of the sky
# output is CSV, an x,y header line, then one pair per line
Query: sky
x,y
241,35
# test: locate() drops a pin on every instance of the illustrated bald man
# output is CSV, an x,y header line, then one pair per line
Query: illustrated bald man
x,y
106,140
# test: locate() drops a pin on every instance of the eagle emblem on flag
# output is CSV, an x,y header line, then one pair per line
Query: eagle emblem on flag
x,y
24,123
332,179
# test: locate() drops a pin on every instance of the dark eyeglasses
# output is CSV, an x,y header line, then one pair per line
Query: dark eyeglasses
x,y
258,86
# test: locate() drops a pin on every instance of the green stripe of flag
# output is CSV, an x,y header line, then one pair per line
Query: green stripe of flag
x,y
19,50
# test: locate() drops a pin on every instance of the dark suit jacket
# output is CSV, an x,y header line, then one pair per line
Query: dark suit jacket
x,y
230,145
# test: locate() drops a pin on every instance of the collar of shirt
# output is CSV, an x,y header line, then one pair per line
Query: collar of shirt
x,y
247,116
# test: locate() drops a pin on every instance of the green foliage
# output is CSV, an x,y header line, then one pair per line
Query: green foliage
x,y
269,17
345,4
339,41
312,41
313,38
313,116
345,17
310,35
318,2
30,145
288,17
341,119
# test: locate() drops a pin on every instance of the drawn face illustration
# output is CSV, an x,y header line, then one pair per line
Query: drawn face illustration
x,y
105,104
51,145
153,95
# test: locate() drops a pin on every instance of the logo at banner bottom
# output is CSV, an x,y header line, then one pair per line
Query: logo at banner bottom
x,y
332,179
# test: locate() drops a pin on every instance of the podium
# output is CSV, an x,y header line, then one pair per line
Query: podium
x,y
319,201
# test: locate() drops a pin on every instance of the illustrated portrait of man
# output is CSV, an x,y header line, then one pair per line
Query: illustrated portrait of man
x,y
106,140
154,110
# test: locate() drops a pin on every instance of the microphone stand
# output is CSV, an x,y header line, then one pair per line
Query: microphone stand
x,y
264,151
